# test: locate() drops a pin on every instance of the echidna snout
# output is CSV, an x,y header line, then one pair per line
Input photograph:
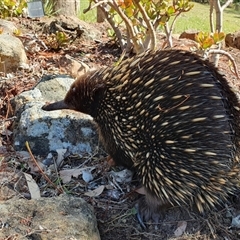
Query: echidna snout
x,y
173,118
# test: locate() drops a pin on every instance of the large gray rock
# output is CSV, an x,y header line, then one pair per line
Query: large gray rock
x,y
63,217
12,53
47,131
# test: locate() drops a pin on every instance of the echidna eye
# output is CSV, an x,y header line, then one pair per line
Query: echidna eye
x,y
73,89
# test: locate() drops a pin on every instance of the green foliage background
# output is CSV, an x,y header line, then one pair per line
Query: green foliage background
x,y
197,18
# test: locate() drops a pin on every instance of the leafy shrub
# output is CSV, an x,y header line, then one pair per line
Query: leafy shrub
x,y
12,8
207,40
141,19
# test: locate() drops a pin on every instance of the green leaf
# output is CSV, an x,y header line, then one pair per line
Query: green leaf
x,y
129,12
207,43
164,19
218,37
171,10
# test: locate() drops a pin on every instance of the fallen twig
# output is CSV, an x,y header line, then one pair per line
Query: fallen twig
x,y
40,169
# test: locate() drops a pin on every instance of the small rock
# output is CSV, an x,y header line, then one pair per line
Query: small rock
x,y
189,34
74,68
73,26
12,53
233,40
236,222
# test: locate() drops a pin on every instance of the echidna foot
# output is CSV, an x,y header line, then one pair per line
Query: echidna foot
x,y
150,209
145,215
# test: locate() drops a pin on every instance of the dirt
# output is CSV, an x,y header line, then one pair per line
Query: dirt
x,y
114,208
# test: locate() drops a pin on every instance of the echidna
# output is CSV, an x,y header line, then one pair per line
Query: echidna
x,y
172,117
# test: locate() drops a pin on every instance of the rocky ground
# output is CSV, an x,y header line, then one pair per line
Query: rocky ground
x,y
115,213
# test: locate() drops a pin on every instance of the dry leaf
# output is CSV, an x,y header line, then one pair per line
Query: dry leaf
x,y
96,192
67,174
24,155
60,156
32,186
181,228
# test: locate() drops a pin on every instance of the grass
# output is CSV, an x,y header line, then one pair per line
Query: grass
x,y
90,16
197,18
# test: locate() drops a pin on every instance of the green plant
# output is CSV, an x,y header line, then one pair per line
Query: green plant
x,y
48,6
208,47
17,32
12,8
57,40
206,40
141,19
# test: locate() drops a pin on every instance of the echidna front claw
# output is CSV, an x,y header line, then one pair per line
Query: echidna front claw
x,y
139,217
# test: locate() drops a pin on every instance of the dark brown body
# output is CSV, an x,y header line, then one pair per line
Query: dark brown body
x,y
173,118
